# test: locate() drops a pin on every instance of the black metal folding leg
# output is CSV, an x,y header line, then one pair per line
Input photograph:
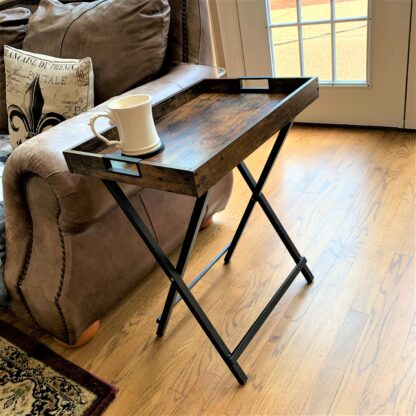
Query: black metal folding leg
x,y
175,277
257,196
187,245
268,210
175,274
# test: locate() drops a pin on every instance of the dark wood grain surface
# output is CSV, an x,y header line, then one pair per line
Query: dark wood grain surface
x,y
207,130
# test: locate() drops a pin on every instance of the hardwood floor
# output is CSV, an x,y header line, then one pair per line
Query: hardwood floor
x,y
344,345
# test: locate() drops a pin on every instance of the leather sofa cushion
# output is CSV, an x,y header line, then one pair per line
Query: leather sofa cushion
x,y
126,40
13,25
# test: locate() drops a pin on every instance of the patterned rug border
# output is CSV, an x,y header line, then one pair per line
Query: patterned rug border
x,y
105,392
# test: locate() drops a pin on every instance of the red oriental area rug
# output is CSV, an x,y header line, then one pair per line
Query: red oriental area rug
x,y
36,381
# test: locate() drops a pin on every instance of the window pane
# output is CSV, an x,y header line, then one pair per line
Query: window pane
x,y
350,8
286,51
316,10
317,51
351,41
283,11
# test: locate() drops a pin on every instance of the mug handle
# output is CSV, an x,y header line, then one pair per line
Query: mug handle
x,y
91,123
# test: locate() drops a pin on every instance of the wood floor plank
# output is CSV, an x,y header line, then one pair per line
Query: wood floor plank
x,y
377,354
403,393
289,348
396,325
332,370
343,345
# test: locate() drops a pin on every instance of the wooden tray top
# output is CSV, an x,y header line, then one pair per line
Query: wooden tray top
x,y
207,130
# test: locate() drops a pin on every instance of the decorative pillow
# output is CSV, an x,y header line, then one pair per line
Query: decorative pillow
x,y
42,91
126,39
13,25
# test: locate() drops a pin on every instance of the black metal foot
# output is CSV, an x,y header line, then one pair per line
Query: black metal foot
x,y
237,371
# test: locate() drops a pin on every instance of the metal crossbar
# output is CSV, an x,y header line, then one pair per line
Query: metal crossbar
x,y
198,277
175,274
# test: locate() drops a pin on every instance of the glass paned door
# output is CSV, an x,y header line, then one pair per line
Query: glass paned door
x,y
326,38
358,48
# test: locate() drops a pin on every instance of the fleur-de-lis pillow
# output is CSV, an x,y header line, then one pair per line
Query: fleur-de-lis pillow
x,y
42,91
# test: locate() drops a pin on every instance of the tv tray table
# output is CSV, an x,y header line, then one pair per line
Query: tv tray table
x,y
208,129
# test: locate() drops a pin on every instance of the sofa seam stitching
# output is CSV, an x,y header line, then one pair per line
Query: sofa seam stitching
x,y
28,256
62,276
69,26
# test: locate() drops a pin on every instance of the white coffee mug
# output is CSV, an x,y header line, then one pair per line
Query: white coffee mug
x,y
133,117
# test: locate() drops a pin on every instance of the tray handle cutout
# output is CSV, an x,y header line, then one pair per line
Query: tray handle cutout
x,y
254,83
122,165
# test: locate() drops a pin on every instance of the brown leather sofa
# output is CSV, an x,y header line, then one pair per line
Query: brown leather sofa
x,y
71,254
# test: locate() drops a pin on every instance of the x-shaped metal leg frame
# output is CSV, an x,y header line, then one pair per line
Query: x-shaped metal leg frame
x,y
175,274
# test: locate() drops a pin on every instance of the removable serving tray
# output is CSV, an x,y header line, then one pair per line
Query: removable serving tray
x,y
207,130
